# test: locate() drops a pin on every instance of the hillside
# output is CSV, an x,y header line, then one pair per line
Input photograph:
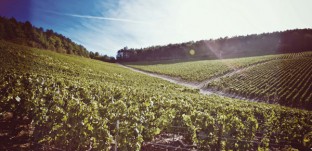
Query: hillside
x,y
53,101
283,79
24,33
290,41
197,71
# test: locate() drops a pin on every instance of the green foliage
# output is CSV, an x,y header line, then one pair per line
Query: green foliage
x,y
197,71
289,41
74,103
104,58
286,81
28,35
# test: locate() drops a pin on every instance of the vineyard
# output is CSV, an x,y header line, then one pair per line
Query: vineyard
x,y
287,82
279,79
197,71
53,101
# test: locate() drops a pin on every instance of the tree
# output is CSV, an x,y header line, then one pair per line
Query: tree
x,y
26,34
289,41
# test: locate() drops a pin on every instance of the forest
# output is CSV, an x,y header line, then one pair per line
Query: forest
x,y
290,41
24,33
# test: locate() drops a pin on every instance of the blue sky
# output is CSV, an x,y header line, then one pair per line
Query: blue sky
x,y
109,25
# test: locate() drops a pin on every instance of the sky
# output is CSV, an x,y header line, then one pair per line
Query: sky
x,y
107,26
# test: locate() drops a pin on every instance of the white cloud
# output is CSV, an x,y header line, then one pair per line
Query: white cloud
x,y
171,21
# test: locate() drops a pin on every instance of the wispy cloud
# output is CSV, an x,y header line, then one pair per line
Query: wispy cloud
x,y
107,26
97,17
175,21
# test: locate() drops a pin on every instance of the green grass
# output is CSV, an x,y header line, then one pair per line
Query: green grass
x,y
75,102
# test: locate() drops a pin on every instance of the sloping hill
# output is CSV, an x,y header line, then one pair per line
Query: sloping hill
x,y
75,103
286,82
198,71
24,33
282,79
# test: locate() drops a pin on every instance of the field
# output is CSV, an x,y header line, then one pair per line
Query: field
x,y
197,71
287,82
280,79
73,103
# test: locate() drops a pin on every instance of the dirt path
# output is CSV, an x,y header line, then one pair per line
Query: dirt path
x,y
165,77
235,71
200,85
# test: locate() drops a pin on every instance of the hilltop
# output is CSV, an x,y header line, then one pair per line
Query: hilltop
x,y
290,41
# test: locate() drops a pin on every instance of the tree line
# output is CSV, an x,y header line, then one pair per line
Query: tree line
x,y
24,33
105,58
289,41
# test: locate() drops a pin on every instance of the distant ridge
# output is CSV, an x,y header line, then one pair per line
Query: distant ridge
x,y
26,34
289,41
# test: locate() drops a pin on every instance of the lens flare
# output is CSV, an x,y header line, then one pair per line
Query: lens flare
x,y
192,52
